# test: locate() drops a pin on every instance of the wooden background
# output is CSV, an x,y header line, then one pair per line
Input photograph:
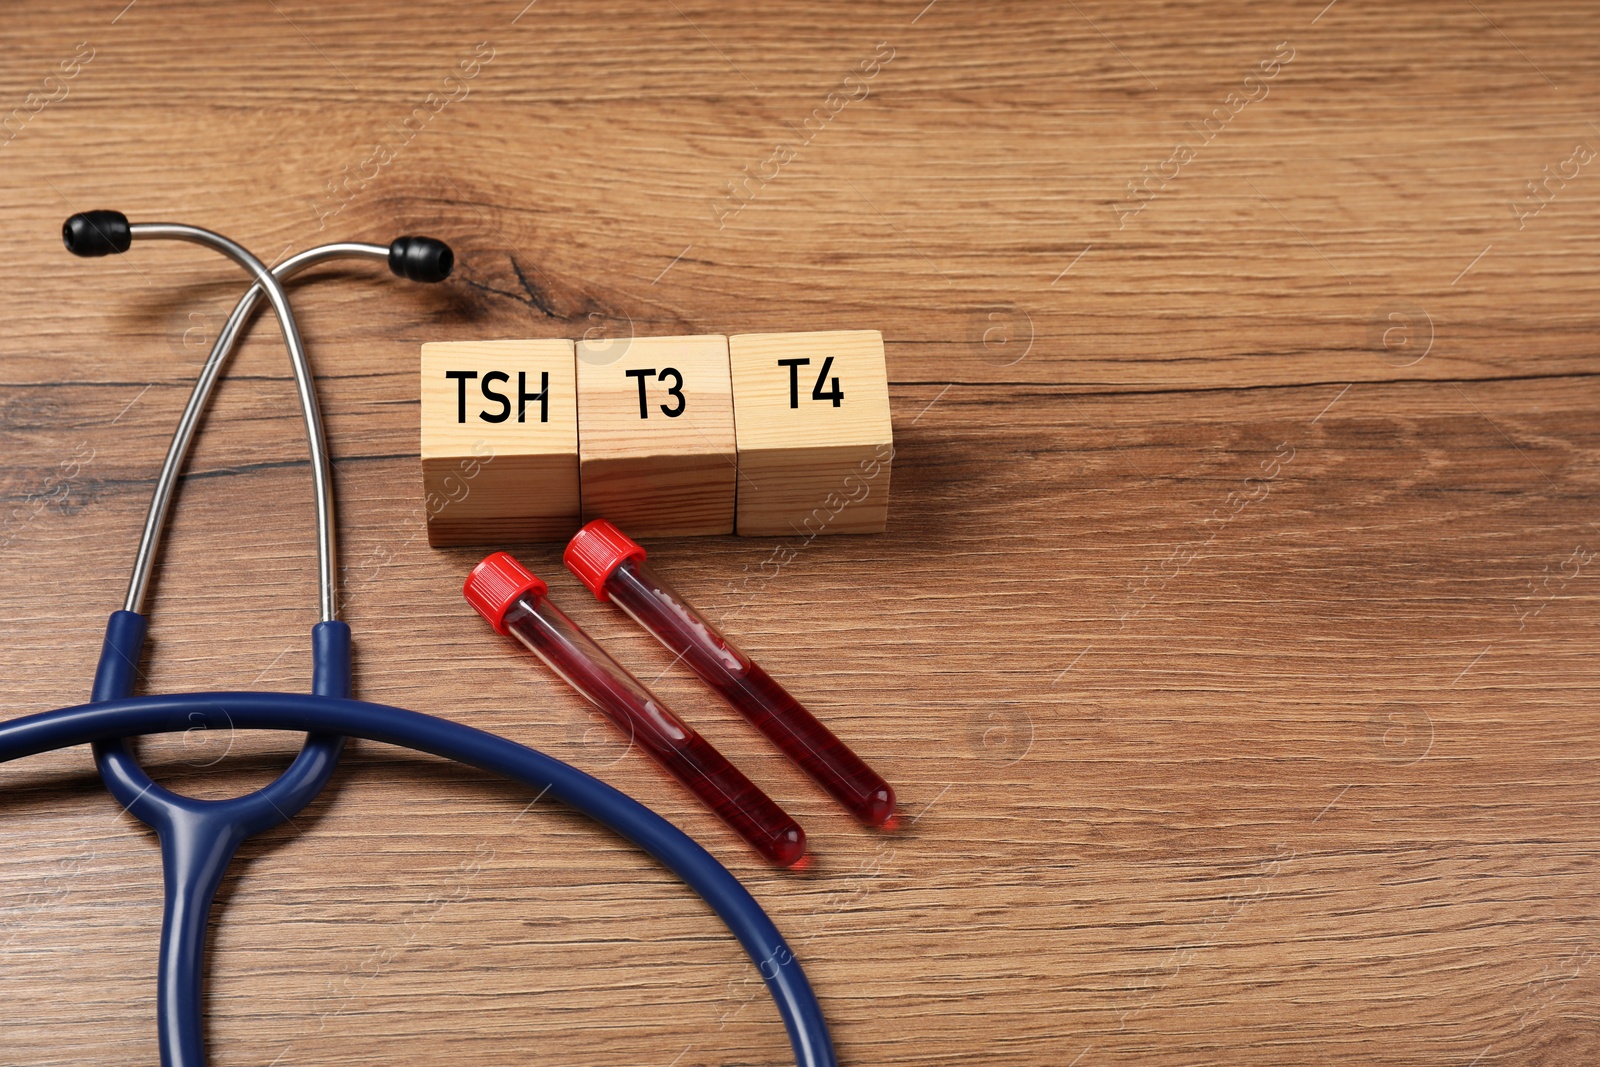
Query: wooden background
x,y
1232,643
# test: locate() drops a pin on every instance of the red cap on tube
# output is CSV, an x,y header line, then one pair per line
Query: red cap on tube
x,y
496,583
597,550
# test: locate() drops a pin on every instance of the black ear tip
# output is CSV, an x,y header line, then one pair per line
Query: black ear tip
x,y
421,259
97,233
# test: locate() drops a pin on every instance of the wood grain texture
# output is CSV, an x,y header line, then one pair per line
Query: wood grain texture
x,y
1231,644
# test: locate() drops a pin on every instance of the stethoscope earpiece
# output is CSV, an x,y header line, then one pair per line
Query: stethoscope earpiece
x,y
97,233
421,259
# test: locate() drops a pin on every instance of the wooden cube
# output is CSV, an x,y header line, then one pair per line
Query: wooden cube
x,y
499,441
655,442
811,411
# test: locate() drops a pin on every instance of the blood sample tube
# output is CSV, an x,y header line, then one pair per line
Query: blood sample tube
x,y
613,566
513,600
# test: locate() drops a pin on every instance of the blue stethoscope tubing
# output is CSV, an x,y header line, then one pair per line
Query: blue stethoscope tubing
x,y
198,838
675,850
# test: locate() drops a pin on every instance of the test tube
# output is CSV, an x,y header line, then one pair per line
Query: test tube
x,y
513,601
613,566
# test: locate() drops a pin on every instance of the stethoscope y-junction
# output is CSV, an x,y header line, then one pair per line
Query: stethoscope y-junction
x,y
199,837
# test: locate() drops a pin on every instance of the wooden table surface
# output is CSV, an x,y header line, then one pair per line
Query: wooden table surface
x,y
1231,644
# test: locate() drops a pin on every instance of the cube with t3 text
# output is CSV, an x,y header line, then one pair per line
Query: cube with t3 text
x,y
655,440
811,416
499,441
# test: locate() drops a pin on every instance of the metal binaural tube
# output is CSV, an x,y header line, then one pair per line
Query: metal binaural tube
x,y
199,399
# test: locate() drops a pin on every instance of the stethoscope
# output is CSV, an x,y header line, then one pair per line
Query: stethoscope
x,y
199,837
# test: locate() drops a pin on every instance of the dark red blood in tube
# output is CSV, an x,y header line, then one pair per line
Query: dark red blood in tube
x,y
644,719
639,591
514,602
